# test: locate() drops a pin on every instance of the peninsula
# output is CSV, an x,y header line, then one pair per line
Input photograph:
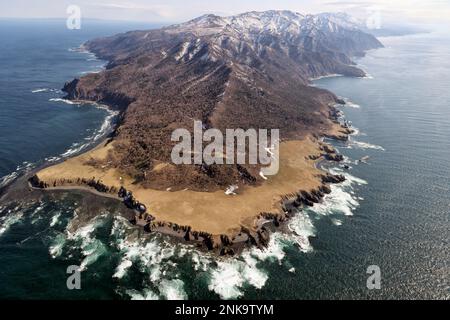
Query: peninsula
x,y
251,70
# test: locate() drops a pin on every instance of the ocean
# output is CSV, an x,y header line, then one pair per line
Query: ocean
x,y
392,211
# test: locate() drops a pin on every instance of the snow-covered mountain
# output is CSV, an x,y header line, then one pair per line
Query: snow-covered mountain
x,y
286,28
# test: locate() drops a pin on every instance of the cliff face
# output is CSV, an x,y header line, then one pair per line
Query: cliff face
x,y
244,71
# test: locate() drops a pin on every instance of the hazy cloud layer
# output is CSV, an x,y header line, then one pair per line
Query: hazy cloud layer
x,y
430,11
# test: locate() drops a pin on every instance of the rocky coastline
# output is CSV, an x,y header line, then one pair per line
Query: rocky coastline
x,y
221,244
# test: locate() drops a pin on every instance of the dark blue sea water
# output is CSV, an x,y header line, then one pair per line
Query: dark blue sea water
x,y
392,211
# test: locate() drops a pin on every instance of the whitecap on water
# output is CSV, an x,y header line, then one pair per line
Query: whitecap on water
x,y
64,101
106,126
40,90
274,250
158,259
122,268
146,294
363,145
200,261
22,168
341,200
172,289
55,219
350,104
11,218
302,228
230,276
91,248
8,178
56,248
153,258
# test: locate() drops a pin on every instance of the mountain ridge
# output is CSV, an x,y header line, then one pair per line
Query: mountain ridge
x,y
246,71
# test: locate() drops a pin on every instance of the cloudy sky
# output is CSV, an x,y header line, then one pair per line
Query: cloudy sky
x,y
412,11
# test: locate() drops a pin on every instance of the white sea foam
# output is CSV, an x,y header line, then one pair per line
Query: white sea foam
x,y
363,145
90,71
74,149
153,257
11,218
122,268
274,250
77,147
79,49
147,294
65,101
8,178
172,289
200,261
227,280
23,168
230,276
91,248
55,219
56,248
350,104
52,159
356,131
40,90
36,218
302,228
341,200
333,75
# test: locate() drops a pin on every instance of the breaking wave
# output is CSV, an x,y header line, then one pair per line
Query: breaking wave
x,y
64,101
167,268
8,178
350,104
104,129
20,169
39,90
341,200
363,145
12,216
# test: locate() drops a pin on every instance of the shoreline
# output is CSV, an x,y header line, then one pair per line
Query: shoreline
x,y
254,232
262,223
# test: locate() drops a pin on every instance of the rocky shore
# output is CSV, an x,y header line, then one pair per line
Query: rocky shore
x,y
221,244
